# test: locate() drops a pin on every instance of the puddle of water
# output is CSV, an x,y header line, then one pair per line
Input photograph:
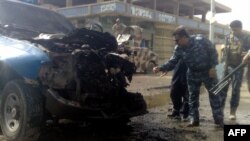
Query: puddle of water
x,y
157,100
163,98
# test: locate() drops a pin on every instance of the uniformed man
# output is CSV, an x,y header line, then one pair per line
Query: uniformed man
x,y
118,27
236,46
201,57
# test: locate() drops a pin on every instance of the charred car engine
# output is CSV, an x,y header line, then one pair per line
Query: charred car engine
x,y
85,67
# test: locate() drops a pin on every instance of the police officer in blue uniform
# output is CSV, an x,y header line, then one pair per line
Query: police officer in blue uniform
x,y
201,57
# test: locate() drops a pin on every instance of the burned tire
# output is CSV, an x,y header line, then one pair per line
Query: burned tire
x,y
21,112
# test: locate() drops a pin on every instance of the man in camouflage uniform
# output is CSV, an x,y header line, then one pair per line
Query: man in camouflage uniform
x,y
118,27
132,42
201,57
236,46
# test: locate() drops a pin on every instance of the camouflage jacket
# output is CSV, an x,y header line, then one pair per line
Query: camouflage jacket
x,y
198,55
235,48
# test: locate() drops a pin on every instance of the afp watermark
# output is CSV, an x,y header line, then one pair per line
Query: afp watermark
x,y
241,132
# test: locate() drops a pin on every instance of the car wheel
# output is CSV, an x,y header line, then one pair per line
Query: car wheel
x,y
21,112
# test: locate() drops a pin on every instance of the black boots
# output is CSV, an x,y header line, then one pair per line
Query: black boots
x,y
193,123
174,115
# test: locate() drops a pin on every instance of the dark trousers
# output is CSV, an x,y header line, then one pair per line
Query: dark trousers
x,y
179,97
236,82
179,90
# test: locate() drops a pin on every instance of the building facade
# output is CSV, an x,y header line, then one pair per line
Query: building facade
x,y
158,18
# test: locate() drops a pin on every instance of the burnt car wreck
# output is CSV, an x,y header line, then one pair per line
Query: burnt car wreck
x,y
51,69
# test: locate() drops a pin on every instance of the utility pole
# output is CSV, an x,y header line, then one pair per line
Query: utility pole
x,y
154,4
212,20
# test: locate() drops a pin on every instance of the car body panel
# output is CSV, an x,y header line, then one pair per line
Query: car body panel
x,y
22,56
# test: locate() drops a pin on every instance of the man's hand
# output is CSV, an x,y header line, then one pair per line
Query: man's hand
x,y
212,73
157,69
246,59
